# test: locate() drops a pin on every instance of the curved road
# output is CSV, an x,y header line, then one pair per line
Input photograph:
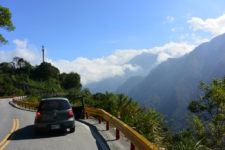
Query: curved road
x,y
17,133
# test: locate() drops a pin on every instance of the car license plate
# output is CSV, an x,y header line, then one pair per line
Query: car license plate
x,y
53,127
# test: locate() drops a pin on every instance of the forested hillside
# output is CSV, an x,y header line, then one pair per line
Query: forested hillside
x,y
19,77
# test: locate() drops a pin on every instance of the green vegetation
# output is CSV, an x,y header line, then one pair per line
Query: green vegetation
x,y
206,126
32,99
19,77
208,121
5,22
148,122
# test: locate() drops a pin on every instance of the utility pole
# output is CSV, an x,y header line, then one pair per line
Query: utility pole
x,y
43,53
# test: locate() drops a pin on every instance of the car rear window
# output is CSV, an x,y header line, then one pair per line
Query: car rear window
x,y
54,105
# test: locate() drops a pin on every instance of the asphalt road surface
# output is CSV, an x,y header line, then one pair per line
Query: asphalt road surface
x,y
17,133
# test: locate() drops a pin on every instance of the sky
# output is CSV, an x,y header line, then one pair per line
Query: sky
x,y
98,38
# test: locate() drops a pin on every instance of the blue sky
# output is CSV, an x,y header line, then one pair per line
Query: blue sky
x,y
89,29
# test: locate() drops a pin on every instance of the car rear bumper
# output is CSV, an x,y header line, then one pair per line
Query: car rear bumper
x,y
63,124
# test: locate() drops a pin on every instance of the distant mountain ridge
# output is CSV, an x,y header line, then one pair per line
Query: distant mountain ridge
x,y
170,86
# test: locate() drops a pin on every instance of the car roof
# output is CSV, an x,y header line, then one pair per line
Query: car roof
x,y
54,98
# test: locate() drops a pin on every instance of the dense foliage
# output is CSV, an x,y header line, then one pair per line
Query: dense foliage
x,y
44,72
71,80
19,77
206,129
208,123
5,22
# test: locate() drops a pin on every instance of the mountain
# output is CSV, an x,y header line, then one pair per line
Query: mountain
x,y
171,85
127,86
146,61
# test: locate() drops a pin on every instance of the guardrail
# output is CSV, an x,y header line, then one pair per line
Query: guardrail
x,y
26,105
137,139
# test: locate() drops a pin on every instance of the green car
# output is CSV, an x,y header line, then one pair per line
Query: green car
x,y
54,114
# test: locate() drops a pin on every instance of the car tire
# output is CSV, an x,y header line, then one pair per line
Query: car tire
x,y
72,129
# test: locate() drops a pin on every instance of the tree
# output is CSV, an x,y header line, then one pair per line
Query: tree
x,y
5,22
71,80
21,66
45,71
209,119
6,67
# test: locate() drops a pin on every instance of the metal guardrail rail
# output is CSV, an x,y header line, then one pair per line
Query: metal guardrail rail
x,y
27,105
137,139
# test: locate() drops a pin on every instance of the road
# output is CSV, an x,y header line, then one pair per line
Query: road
x,y
17,133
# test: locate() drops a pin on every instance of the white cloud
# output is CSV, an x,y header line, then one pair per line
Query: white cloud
x,y
193,38
22,50
213,25
172,50
198,40
93,70
163,57
20,44
100,68
116,64
123,56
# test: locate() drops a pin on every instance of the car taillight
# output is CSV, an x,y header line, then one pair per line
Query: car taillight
x,y
38,116
70,114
